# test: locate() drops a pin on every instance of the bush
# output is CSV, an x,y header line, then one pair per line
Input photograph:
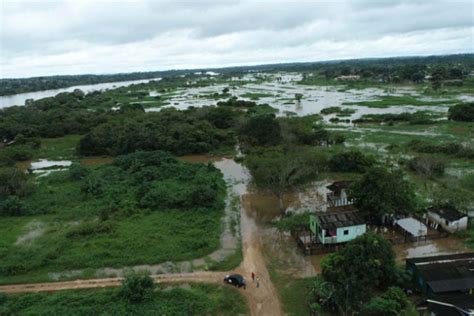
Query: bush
x,y
78,171
351,161
89,229
14,182
427,166
137,288
462,112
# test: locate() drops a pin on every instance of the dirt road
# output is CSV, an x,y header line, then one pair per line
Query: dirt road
x,y
261,301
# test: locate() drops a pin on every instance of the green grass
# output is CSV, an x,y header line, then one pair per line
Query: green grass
x,y
75,238
387,101
195,299
58,148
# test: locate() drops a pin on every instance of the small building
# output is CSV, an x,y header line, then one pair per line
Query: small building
x,y
412,228
337,195
443,275
449,219
452,305
336,227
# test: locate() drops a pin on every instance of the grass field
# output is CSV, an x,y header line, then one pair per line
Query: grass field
x,y
194,299
67,231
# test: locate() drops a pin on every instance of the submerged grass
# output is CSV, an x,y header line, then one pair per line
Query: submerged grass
x,y
387,101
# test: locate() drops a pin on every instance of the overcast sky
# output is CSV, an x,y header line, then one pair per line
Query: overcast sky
x,y
75,37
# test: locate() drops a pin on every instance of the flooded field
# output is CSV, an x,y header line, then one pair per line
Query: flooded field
x,y
279,91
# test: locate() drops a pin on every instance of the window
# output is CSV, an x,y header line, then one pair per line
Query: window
x,y
346,231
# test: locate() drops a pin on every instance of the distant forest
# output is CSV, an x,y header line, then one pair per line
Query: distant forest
x,y
397,68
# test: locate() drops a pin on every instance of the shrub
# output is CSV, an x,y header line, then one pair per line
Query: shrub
x,y
462,112
427,166
89,229
77,171
12,206
351,161
14,182
136,288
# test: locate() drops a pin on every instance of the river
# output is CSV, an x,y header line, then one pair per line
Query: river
x,y
19,99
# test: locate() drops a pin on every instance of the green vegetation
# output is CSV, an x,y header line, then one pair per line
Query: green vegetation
x,y
193,299
346,283
351,161
382,192
462,112
340,112
387,101
145,208
419,117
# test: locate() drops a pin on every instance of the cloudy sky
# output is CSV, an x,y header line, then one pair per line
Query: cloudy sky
x,y
75,37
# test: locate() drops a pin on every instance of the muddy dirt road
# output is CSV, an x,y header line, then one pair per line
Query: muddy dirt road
x,y
261,301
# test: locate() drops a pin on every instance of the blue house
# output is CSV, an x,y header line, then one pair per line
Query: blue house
x,y
337,226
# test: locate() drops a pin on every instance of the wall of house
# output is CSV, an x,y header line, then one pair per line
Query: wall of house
x,y
451,227
352,232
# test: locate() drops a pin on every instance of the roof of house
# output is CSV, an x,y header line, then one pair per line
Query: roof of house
x,y
447,213
413,226
447,273
462,301
333,220
338,185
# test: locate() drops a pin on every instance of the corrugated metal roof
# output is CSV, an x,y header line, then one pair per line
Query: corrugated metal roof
x,y
413,226
334,220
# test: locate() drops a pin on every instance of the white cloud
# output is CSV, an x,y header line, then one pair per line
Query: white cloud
x,y
69,37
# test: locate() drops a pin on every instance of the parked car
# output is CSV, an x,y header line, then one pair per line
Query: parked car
x,y
235,279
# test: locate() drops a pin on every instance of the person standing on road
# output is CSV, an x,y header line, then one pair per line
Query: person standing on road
x,y
253,276
258,282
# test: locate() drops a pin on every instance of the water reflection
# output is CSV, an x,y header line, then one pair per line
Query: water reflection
x,y
19,99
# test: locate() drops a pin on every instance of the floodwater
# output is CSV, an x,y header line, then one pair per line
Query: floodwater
x,y
19,99
281,95
442,246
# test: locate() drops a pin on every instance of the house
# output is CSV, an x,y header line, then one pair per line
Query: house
x,y
449,219
442,275
336,227
412,228
452,305
337,195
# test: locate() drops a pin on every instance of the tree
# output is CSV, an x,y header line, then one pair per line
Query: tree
x,y
463,112
13,182
351,161
225,90
354,272
392,302
298,97
278,171
261,130
383,192
137,288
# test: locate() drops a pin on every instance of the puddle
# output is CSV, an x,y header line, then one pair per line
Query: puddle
x,y
443,246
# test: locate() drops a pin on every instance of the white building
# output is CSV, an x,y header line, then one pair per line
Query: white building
x,y
450,220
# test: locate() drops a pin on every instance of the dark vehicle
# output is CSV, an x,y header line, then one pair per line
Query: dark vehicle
x,y
235,279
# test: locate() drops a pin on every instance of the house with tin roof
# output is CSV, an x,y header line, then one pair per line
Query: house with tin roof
x,y
449,219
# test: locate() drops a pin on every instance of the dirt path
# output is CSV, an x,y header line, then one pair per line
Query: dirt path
x,y
261,301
